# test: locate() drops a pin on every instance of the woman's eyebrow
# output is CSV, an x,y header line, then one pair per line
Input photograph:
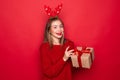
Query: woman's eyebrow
x,y
54,25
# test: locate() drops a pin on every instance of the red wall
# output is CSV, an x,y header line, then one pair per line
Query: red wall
x,y
93,23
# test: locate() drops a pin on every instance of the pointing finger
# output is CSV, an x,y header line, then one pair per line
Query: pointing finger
x,y
67,48
71,50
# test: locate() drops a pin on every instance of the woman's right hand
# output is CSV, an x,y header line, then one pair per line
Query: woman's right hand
x,y
67,54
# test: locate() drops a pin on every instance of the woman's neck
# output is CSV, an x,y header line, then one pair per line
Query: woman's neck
x,y
56,41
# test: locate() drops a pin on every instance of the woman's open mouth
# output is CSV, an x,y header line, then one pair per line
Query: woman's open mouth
x,y
59,34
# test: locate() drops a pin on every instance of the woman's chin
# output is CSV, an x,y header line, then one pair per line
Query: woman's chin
x,y
58,37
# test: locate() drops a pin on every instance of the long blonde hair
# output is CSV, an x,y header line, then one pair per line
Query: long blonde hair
x,y
47,35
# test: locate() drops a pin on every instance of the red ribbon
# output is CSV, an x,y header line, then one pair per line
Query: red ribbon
x,y
79,53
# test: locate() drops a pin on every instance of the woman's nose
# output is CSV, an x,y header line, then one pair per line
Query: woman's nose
x,y
59,29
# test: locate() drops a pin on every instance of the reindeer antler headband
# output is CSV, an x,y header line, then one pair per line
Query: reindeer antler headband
x,y
53,13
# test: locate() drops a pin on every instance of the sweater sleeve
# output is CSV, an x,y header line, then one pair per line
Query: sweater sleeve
x,y
49,69
71,44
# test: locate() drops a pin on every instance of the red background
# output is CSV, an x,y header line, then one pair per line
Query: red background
x,y
94,23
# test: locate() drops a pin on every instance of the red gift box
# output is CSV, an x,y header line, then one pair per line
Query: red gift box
x,y
83,57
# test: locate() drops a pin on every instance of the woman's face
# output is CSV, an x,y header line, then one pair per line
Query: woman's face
x,y
56,29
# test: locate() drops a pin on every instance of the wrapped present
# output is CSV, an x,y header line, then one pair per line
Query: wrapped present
x,y
83,57
75,59
87,50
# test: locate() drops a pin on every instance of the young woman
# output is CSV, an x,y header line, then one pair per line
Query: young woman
x,y
56,52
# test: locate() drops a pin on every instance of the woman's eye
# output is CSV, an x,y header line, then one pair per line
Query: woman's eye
x,y
55,27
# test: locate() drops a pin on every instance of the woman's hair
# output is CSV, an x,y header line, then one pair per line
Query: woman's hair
x,y
47,35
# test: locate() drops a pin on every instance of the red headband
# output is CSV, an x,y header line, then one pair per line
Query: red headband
x,y
53,13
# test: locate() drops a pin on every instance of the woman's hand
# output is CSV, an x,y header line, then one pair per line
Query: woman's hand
x,y
67,54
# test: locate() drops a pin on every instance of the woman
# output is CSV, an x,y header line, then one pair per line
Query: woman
x,y
56,52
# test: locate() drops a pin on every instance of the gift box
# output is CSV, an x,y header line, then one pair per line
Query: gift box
x,y
83,57
87,50
75,59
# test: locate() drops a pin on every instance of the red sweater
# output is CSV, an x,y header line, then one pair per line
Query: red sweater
x,y
53,66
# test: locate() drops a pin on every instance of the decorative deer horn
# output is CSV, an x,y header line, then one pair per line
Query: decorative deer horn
x,y
53,13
